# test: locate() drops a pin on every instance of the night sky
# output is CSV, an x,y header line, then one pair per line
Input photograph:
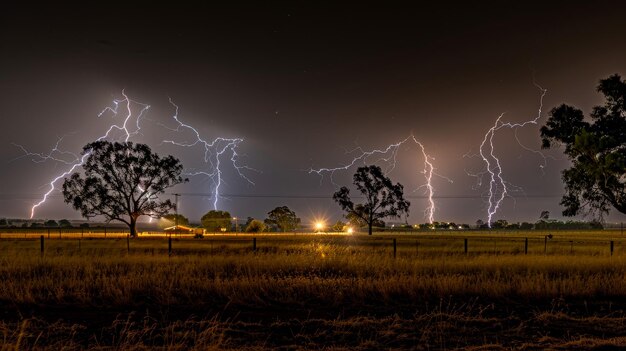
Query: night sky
x,y
302,83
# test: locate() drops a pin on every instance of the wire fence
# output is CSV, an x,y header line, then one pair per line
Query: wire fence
x,y
102,243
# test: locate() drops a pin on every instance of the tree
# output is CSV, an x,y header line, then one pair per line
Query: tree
x,y
354,219
283,218
122,182
338,226
172,219
526,226
3,222
479,224
255,226
597,150
215,220
51,223
382,198
248,221
64,223
500,224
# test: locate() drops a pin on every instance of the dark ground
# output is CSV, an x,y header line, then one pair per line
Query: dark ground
x,y
452,323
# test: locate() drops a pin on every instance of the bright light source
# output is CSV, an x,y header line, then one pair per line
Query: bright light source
x,y
319,226
350,230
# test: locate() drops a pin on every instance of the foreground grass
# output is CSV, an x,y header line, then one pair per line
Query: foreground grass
x,y
311,292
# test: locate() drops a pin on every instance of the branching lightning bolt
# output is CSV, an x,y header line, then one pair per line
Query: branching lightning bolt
x,y
498,187
213,151
389,155
55,153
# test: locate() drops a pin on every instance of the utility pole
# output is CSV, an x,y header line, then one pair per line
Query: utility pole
x,y
176,195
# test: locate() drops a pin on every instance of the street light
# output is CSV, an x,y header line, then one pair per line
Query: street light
x,y
319,226
236,225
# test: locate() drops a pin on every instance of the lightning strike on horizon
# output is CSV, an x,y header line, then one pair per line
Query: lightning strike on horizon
x,y
389,155
79,161
498,187
213,150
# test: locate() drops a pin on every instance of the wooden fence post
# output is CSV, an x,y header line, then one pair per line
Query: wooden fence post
x,y
526,246
128,244
612,246
169,246
465,244
41,244
254,244
395,248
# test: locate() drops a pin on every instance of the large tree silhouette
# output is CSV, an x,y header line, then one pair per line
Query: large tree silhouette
x,y
122,182
382,197
283,218
597,150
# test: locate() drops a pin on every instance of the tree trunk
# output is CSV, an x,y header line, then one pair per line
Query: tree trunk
x,y
369,228
133,227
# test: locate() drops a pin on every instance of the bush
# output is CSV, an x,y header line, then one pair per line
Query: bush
x,y
256,226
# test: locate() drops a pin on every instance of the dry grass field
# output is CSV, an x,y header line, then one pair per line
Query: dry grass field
x,y
316,291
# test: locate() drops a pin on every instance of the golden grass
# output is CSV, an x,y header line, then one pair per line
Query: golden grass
x,y
351,285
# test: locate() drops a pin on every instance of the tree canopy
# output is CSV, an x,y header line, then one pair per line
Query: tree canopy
x,y
283,219
64,223
255,226
597,150
215,220
171,219
382,198
121,182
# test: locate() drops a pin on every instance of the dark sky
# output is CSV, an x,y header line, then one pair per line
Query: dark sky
x,y
302,82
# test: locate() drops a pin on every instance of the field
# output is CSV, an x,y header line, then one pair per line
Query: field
x,y
444,290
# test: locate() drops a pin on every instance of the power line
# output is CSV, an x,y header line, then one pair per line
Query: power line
x,y
32,196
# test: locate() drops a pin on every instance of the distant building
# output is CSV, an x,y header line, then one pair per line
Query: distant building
x,y
183,229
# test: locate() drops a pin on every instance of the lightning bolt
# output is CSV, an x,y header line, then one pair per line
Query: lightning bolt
x,y
125,128
213,152
389,156
498,188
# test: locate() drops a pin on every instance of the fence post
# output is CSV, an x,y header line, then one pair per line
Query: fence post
x,y
465,244
395,248
254,244
59,232
82,232
526,246
41,244
169,246
105,232
128,243
612,246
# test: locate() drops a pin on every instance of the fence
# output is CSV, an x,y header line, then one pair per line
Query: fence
x,y
71,244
